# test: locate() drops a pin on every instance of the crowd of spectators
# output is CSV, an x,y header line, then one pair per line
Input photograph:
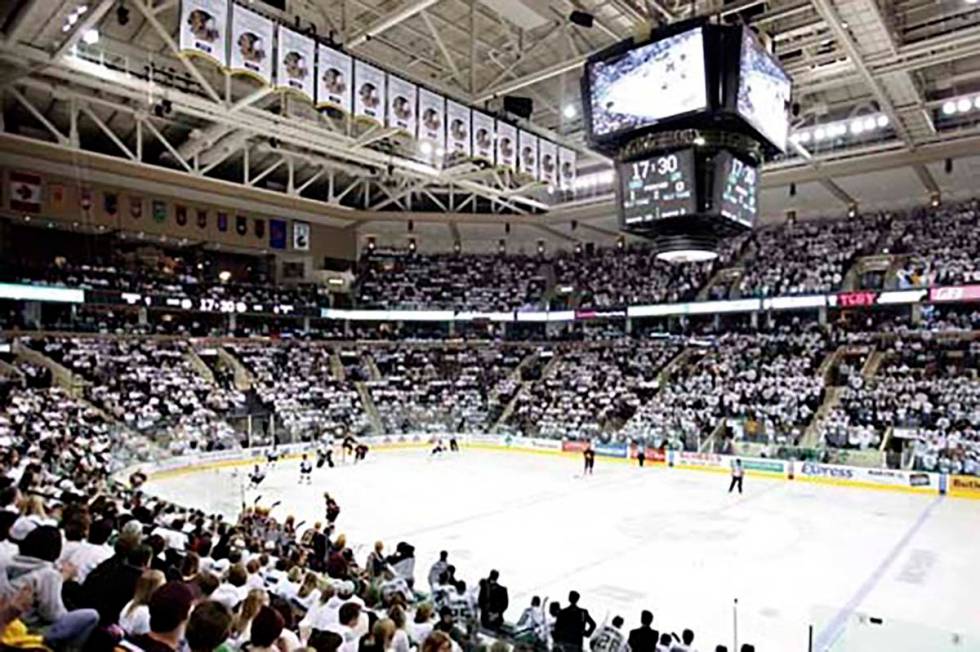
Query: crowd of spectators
x,y
589,392
941,247
150,385
297,381
764,387
434,388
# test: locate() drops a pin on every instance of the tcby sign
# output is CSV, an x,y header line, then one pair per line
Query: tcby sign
x,y
856,299
955,293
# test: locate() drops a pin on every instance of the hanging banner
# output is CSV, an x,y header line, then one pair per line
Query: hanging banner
x,y
294,71
277,234
251,44
548,162
458,128
527,147
335,79
301,236
203,25
369,98
483,137
402,100
566,168
432,118
506,145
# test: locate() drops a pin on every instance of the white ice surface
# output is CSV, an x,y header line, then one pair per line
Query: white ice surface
x,y
666,540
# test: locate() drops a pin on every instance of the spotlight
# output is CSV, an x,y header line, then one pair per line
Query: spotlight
x,y
91,36
949,108
457,247
371,244
426,148
819,134
620,243
569,111
805,137
122,14
224,276
857,127
699,140
540,246
578,247
935,200
869,123
964,105
501,245
411,245
582,19
882,121
976,102
852,210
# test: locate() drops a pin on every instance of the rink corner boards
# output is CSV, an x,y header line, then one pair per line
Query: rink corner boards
x,y
789,470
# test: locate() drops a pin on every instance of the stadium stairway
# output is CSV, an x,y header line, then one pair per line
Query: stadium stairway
x,y
8,370
199,365
811,435
728,276
74,384
336,366
371,366
243,377
875,360
369,407
525,386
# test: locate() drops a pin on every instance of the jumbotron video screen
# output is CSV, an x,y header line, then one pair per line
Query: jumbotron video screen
x,y
763,92
737,189
649,84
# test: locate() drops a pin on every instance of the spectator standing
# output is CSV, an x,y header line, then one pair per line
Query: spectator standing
x,y
493,601
572,625
644,638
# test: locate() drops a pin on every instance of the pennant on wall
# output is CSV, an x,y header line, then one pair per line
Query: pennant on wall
x,y
548,162
506,145
222,221
527,149
259,228
25,192
566,168
181,215
402,101
277,234
110,202
159,210
241,224
432,118
136,207
202,218
203,24
301,236
251,44
57,196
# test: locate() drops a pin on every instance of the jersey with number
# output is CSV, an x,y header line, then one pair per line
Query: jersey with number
x,y
607,639
462,606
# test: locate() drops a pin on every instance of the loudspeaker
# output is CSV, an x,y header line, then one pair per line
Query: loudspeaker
x,y
581,18
519,106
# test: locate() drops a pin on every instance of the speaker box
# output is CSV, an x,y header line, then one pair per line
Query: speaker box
x,y
519,106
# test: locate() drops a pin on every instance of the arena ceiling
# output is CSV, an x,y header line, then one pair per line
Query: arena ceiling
x,y
905,60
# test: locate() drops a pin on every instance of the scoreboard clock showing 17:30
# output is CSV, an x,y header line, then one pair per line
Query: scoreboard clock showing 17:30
x,y
657,188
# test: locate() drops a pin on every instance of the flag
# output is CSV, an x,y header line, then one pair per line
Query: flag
x,y
25,192
159,210
301,236
259,228
110,202
181,215
277,234
136,207
241,224
222,221
202,218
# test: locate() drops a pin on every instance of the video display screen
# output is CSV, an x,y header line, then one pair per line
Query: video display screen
x,y
736,189
764,91
657,188
651,83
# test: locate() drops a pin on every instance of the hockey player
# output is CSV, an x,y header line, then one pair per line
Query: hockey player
x,y
589,455
453,444
324,455
348,445
438,449
463,606
332,508
609,637
272,456
360,453
737,473
256,477
305,470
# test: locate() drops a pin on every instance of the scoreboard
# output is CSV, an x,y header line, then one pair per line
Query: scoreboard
x,y
736,189
657,188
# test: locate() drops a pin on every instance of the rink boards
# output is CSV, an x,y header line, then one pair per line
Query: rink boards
x,y
788,470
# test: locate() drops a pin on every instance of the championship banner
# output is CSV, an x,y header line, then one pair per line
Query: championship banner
x,y
402,101
277,234
369,98
458,127
251,44
483,136
506,145
527,147
203,26
301,236
548,162
295,65
566,168
432,118
335,78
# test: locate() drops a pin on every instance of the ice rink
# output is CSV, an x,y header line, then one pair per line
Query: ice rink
x,y
672,541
